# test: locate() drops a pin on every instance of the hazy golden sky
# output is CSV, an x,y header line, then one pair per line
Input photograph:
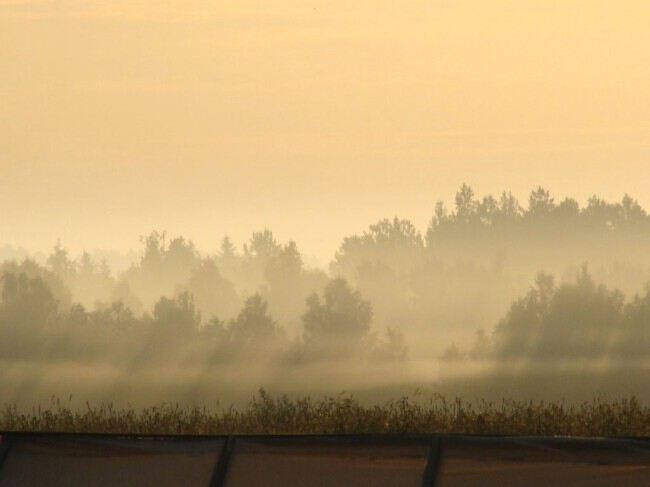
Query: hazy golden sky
x,y
312,117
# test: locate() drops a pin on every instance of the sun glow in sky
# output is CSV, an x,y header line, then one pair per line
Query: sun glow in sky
x,y
313,118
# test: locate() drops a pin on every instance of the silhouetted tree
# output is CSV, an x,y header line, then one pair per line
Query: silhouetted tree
x,y
60,263
27,310
163,269
176,316
634,339
540,203
339,323
213,294
253,328
570,321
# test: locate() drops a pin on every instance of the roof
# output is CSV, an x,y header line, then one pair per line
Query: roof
x,y
359,460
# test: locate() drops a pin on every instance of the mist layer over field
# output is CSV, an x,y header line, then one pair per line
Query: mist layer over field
x,y
495,298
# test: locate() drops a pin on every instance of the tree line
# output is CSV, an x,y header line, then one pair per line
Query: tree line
x,y
33,326
389,289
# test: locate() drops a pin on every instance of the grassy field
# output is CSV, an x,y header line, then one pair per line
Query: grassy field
x,y
265,414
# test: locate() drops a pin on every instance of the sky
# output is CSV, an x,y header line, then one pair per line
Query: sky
x,y
313,118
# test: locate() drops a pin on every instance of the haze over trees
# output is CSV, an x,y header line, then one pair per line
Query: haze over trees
x,y
488,281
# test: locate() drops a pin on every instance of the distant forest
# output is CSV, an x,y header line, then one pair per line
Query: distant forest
x,y
489,280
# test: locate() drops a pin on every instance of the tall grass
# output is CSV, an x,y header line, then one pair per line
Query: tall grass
x,y
265,414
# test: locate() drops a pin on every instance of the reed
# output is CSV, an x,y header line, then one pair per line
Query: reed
x,y
266,414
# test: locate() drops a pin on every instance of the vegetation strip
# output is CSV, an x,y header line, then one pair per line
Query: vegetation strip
x,y
266,414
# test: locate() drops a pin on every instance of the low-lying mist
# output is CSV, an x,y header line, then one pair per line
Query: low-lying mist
x,y
492,300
